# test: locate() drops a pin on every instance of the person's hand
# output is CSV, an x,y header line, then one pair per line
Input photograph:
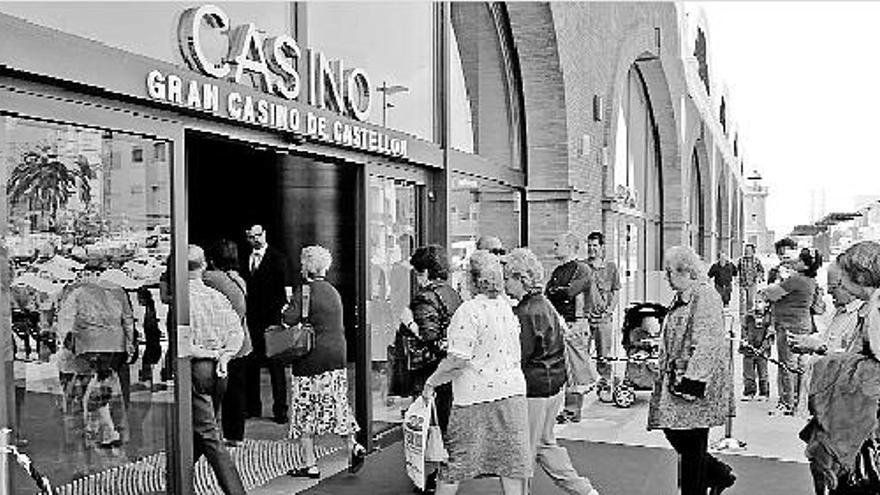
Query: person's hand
x,y
406,316
810,343
428,392
223,366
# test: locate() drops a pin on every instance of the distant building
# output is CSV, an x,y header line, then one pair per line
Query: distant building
x,y
755,213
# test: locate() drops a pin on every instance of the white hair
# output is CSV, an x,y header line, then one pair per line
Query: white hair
x,y
683,259
522,264
316,260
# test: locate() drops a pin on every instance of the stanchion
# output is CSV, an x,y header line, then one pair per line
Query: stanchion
x,y
729,443
25,462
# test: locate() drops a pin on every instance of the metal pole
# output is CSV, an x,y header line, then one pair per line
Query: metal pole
x,y
729,443
384,90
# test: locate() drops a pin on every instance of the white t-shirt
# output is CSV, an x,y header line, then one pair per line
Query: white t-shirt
x,y
485,333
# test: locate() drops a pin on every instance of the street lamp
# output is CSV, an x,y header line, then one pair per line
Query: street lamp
x,y
387,90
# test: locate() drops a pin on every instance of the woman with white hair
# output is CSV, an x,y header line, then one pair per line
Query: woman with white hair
x,y
692,389
319,385
543,363
488,425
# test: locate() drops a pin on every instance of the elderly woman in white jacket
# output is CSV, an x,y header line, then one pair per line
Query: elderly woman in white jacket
x,y
488,430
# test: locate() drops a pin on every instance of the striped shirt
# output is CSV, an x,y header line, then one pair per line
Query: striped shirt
x,y
216,327
750,271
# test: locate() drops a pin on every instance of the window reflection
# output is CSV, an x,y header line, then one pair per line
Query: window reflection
x,y
393,237
480,208
86,221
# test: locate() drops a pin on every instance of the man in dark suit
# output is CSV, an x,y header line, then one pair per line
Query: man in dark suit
x,y
265,271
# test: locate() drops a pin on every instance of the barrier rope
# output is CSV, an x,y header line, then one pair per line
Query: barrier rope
x,y
25,462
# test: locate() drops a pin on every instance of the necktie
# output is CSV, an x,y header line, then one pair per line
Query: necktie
x,y
255,261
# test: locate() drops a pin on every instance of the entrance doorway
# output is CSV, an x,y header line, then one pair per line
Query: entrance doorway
x,y
299,201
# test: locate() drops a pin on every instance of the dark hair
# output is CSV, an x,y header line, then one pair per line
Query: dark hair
x,y
597,236
784,243
432,258
861,263
223,255
146,296
812,260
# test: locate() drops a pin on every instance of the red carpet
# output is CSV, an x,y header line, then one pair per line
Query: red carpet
x,y
614,470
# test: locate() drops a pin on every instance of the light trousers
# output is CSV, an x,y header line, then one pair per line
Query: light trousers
x,y
552,457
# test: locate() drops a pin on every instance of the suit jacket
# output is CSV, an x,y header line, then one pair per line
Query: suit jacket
x,y
265,294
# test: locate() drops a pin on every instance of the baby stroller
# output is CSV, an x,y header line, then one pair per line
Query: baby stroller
x,y
641,342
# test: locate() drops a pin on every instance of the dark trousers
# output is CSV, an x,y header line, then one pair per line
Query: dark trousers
x,y
699,469
207,394
755,370
235,401
443,401
277,373
725,291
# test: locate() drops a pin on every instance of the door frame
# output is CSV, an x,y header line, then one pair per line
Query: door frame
x,y
36,101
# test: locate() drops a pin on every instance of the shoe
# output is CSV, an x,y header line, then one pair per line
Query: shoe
x,y
305,472
356,460
232,444
781,410
566,417
763,398
748,398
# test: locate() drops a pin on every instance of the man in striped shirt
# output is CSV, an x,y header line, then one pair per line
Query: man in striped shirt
x,y
216,336
751,273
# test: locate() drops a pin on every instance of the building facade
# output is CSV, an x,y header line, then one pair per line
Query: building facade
x,y
128,131
755,215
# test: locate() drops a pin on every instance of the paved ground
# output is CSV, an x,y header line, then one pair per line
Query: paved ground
x,y
613,446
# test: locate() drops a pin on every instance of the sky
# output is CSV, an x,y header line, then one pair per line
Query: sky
x,y
803,88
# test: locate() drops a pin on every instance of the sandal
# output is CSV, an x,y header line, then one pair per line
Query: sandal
x,y
356,461
305,472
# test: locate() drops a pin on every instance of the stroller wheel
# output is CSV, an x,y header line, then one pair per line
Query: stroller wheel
x,y
605,392
624,396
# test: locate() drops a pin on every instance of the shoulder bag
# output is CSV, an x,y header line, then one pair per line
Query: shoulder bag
x,y
246,345
286,344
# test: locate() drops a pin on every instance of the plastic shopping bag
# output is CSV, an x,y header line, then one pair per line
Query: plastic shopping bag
x,y
435,450
416,423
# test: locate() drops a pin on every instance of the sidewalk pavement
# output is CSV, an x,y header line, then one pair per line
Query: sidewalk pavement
x,y
613,469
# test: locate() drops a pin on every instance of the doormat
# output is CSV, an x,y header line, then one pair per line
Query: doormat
x,y
258,462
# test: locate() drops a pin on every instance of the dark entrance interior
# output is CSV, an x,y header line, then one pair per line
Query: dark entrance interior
x,y
299,200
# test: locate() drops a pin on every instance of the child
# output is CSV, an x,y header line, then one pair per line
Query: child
x,y
756,339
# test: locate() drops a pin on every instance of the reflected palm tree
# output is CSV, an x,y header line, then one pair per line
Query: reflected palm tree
x,y
46,184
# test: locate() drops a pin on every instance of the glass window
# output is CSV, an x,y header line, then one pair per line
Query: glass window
x,y
84,257
145,28
481,208
393,237
481,98
392,42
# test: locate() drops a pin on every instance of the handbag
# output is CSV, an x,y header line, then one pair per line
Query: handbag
x,y
286,344
866,473
415,353
435,450
580,370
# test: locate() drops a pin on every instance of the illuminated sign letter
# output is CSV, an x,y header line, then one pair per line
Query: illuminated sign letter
x,y
246,54
357,94
326,82
282,51
189,41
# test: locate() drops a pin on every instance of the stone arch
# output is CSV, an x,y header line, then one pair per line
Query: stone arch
x,y
640,49
722,211
701,173
543,92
